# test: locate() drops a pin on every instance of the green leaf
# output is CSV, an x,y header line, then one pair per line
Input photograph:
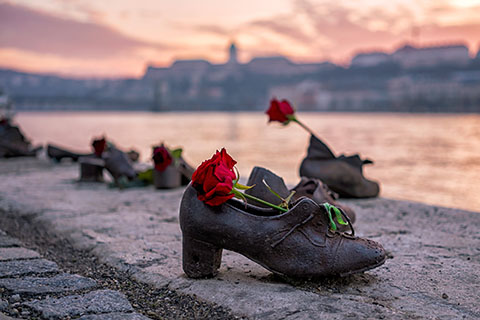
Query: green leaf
x,y
241,186
339,216
328,207
176,153
146,176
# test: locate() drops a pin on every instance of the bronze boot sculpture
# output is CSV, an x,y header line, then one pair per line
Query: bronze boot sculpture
x,y
343,174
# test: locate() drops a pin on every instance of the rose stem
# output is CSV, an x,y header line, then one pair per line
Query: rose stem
x,y
304,127
263,201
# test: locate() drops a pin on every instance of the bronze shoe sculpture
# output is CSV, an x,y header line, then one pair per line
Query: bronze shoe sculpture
x,y
170,169
319,192
118,165
297,243
91,169
56,153
310,188
343,174
13,143
186,171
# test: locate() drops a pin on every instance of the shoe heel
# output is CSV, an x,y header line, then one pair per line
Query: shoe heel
x,y
200,259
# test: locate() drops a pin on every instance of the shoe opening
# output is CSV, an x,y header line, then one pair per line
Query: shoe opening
x,y
257,211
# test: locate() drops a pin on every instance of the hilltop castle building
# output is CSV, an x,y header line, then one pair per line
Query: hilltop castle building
x,y
273,65
409,57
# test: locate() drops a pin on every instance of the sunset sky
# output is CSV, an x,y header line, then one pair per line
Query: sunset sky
x,y
119,37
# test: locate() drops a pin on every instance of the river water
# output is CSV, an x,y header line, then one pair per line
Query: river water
x,y
422,157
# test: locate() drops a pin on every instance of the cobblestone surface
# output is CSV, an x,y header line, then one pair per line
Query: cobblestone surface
x,y
101,301
16,254
108,304
6,241
5,317
3,305
432,274
25,267
55,284
114,316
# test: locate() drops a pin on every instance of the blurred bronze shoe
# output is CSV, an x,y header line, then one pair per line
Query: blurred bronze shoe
x,y
310,188
57,154
118,165
344,174
13,143
133,155
91,168
174,176
169,178
316,190
297,243
170,171
186,171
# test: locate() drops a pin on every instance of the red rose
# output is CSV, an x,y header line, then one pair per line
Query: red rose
x,y
213,179
279,111
99,146
161,158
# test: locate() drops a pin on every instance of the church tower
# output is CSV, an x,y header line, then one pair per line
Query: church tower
x,y
233,54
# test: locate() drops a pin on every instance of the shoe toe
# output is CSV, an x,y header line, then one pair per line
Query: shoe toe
x,y
370,188
363,254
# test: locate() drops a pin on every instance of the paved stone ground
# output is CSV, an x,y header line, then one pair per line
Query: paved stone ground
x,y
24,290
433,272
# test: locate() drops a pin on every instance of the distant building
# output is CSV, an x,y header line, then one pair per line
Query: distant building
x,y
233,59
370,59
189,67
271,65
274,65
156,73
411,57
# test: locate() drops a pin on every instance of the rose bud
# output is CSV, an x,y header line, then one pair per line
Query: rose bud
x,y
280,111
161,158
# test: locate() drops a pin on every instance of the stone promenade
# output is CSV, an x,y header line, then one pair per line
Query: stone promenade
x,y
34,287
433,271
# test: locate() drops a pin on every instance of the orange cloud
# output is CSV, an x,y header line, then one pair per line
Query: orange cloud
x,y
30,30
77,39
79,67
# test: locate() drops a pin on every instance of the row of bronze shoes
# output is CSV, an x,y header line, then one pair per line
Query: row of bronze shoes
x,y
168,172
105,156
298,243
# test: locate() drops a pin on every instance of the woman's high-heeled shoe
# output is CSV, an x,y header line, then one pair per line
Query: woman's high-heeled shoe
x,y
297,243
